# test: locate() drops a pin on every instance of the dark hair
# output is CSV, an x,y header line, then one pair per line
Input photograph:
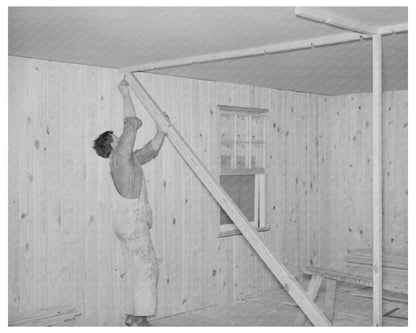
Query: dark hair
x,y
102,145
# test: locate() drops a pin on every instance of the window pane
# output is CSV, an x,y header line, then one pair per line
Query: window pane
x,y
227,127
241,155
241,189
257,155
242,128
226,155
257,128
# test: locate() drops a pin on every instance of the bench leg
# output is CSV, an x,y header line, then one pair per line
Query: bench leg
x,y
330,295
312,292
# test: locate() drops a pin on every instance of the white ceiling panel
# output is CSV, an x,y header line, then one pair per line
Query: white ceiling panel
x,y
124,36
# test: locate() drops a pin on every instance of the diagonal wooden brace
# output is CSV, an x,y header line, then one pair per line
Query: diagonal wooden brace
x,y
282,274
313,289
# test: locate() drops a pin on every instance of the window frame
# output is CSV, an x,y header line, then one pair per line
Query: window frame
x,y
258,172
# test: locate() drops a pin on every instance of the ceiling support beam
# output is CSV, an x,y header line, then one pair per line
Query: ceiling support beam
x,y
392,29
244,53
334,20
377,182
263,50
283,275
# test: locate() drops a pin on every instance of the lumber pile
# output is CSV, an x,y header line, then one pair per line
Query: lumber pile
x,y
387,295
58,316
359,262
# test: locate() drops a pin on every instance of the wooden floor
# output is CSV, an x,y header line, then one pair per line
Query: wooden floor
x,y
276,308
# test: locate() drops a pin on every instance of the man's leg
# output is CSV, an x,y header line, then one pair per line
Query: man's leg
x,y
144,276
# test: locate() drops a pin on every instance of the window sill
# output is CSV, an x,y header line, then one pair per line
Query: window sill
x,y
238,232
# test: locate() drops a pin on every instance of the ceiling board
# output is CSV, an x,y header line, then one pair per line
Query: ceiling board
x,y
122,36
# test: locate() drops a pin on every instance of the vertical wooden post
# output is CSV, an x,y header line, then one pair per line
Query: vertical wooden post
x,y
377,190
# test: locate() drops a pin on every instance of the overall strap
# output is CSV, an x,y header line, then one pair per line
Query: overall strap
x,y
143,194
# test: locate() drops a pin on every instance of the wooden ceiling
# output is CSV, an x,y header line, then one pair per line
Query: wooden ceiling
x,y
124,36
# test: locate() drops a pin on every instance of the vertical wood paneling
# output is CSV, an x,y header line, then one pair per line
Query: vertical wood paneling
x,y
266,102
62,249
79,199
273,167
26,192
205,198
91,252
247,258
314,188
285,176
279,161
104,223
16,100
156,90
300,182
66,223
39,184
230,264
186,202
222,281
195,227
214,242
53,181
297,208
177,221
292,150
118,264
348,199
169,222
323,172
233,98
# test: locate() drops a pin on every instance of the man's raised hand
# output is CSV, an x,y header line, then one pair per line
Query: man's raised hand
x,y
123,86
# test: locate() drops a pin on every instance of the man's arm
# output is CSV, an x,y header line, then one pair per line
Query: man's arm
x,y
129,110
131,122
158,139
150,150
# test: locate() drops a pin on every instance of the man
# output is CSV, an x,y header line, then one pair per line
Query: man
x,y
133,222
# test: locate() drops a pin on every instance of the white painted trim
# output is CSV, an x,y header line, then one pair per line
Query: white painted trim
x,y
392,29
234,160
335,20
249,134
262,200
377,182
242,53
241,109
256,200
241,171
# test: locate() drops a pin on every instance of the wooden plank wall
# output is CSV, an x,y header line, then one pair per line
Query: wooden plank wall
x,y
346,194
62,202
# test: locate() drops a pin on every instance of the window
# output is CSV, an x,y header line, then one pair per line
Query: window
x,y
242,158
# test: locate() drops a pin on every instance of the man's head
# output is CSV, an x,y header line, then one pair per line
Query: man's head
x,y
105,143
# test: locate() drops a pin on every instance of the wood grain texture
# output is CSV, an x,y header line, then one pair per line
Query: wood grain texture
x,y
347,186
84,262
279,270
377,182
